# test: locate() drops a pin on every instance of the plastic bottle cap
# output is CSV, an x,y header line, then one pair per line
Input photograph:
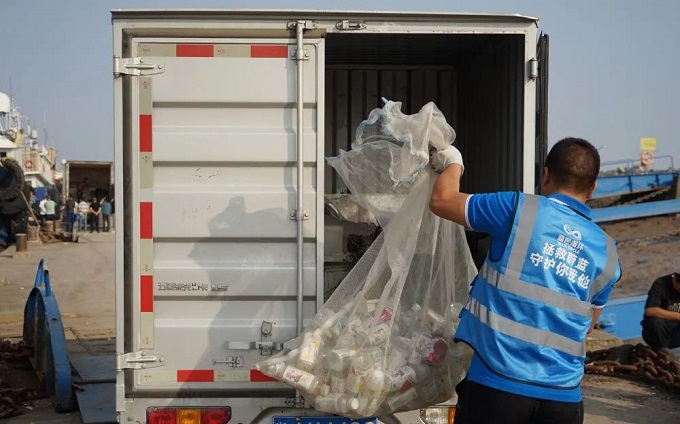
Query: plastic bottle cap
x,y
353,404
415,307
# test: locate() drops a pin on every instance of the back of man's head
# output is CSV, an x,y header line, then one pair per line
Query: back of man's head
x,y
574,164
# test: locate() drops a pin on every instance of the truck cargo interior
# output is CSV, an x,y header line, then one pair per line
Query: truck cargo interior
x,y
476,81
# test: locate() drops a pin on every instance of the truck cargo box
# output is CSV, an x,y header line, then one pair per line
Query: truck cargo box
x,y
222,123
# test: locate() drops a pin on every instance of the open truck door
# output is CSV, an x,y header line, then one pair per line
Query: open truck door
x,y
541,107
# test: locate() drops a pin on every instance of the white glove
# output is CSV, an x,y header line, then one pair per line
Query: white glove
x,y
445,157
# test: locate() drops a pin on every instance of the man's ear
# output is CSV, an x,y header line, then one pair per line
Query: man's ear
x,y
592,190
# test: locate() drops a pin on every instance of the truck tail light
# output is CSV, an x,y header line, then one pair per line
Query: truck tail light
x,y
215,415
438,415
188,415
161,416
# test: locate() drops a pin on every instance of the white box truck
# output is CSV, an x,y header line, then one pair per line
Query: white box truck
x,y
222,123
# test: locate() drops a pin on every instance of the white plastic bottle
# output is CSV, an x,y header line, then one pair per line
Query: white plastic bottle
x,y
301,379
309,351
338,382
374,336
339,404
340,359
412,373
409,318
274,370
402,399
361,365
399,353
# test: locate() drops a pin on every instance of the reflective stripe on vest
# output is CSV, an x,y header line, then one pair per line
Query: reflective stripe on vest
x,y
511,281
609,269
524,332
541,294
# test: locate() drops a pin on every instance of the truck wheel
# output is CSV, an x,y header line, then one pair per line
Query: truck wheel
x,y
11,179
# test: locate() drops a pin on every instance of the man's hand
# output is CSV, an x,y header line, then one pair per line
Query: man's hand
x,y
442,159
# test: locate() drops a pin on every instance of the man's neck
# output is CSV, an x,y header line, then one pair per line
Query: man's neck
x,y
580,197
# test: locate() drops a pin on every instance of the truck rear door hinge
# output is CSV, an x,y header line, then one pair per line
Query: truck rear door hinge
x,y
533,68
139,360
135,66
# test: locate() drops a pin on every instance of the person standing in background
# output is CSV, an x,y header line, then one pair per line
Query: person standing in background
x,y
95,211
106,214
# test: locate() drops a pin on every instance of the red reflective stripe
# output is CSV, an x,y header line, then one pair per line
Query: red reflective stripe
x,y
146,293
195,376
194,50
145,220
269,51
256,375
145,133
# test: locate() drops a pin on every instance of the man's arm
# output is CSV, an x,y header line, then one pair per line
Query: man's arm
x,y
657,312
446,200
596,316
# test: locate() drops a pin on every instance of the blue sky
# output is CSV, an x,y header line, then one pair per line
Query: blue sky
x,y
614,65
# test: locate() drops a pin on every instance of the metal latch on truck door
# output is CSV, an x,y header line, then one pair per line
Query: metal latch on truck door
x,y
135,66
346,25
139,360
300,26
265,345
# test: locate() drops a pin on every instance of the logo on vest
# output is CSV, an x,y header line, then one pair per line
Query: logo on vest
x,y
573,233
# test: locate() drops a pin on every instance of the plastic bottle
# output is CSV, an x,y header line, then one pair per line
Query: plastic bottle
x,y
309,351
409,318
301,379
368,407
345,341
436,322
341,404
433,351
361,365
402,399
340,359
376,381
399,353
338,382
284,356
403,377
274,370
374,336
429,391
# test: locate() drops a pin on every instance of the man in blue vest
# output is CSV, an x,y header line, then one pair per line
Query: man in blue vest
x,y
548,273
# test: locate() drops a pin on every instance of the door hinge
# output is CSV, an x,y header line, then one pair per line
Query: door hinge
x,y
135,66
139,360
347,25
533,69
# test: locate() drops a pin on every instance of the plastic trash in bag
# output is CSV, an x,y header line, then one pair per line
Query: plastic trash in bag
x,y
383,341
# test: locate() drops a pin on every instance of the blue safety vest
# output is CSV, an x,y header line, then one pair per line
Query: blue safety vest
x,y
527,314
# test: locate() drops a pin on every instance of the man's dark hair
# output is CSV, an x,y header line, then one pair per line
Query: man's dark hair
x,y
574,163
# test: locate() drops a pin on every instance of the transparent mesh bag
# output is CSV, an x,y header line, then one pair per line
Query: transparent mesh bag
x,y
383,343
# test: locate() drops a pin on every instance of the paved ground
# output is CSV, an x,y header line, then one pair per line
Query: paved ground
x,y
83,280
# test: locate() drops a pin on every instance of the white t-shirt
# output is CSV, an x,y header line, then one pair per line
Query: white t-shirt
x,y
83,207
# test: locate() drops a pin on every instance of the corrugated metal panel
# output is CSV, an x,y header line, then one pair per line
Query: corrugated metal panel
x,y
491,111
353,91
477,82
